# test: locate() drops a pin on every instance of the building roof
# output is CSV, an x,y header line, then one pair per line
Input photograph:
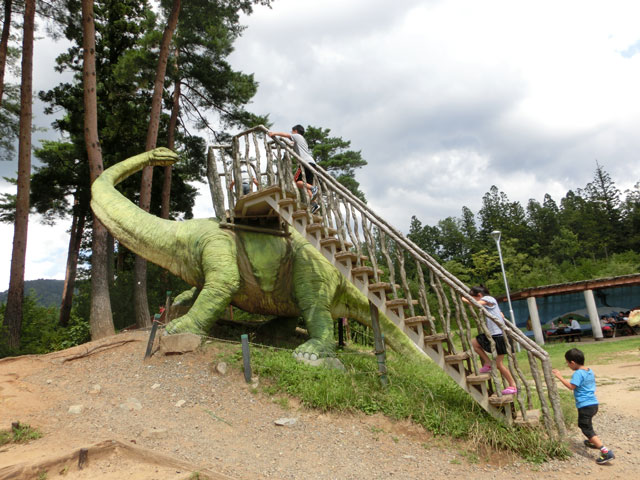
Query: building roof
x,y
563,288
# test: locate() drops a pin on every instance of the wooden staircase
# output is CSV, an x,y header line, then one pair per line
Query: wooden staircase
x,y
273,202
335,231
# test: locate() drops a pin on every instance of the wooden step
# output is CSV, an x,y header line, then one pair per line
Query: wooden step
x,y
314,227
457,358
480,378
365,270
340,256
299,214
533,418
433,339
413,321
376,287
285,202
325,242
503,400
397,302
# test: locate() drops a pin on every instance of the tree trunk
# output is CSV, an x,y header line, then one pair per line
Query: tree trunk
x,y
4,43
75,239
173,121
101,320
13,312
141,303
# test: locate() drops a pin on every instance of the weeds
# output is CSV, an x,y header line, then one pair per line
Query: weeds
x,y
19,433
421,393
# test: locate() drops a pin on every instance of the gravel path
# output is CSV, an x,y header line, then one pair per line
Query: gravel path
x,y
181,406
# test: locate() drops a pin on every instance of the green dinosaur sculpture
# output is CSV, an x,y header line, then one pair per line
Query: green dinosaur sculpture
x,y
256,272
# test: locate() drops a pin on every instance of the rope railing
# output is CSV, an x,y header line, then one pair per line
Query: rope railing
x,y
394,260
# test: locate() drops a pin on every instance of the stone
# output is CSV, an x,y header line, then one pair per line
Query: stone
x,y
76,409
221,368
180,403
154,386
95,389
131,404
179,343
154,433
286,422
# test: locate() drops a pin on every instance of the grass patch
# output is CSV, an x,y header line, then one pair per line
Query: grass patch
x,y
422,393
19,433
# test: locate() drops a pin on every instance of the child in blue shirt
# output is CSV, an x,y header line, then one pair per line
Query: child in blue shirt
x,y
583,385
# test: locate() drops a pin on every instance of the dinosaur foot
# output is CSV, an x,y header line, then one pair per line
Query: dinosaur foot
x,y
318,353
184,324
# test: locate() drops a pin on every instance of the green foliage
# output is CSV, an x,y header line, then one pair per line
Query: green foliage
x,y
421,393
41,332
46,292
333,154
592,233
19,433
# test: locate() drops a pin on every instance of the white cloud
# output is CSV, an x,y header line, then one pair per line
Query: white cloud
x,y
448,97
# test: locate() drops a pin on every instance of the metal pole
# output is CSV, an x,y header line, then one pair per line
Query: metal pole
x,y
245,357
496,236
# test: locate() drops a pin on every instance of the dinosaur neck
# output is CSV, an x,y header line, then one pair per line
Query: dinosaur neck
x,y
152,238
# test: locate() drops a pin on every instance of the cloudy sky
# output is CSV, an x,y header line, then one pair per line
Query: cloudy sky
x,y
444,99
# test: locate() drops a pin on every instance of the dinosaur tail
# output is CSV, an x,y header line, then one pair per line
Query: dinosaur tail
x,y
357,307
153,238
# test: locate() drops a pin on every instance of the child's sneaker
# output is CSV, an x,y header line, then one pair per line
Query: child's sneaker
x,y
314,208
605,457
509,391
588,444
485,368
314,192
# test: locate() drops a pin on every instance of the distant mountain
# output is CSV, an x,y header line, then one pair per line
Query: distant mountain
x,y
48,292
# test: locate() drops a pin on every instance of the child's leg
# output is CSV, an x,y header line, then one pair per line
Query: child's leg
x,y
504,370
480,351
596,441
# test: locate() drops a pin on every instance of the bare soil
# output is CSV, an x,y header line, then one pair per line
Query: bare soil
x,y
171,416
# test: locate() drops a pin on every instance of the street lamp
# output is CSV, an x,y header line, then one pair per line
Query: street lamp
x,y
496,234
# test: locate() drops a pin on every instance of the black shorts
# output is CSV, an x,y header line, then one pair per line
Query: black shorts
x,y
501,347
585,417
308,175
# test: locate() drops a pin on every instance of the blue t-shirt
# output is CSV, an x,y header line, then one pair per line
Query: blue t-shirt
x,y
585,391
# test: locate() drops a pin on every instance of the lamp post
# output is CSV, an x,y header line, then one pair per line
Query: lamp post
x,y
496,234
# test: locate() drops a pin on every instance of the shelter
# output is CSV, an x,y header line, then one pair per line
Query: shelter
x,y
601,296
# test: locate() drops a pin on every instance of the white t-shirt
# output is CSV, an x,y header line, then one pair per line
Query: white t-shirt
x,y
493,308
575,325
301,148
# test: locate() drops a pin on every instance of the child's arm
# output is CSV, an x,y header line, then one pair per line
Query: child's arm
x,y
279,134
564,381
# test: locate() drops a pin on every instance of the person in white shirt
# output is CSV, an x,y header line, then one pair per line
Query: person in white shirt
x,y
575,329
481,344
302,149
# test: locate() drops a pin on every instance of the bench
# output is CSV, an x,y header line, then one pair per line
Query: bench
x,y
567,336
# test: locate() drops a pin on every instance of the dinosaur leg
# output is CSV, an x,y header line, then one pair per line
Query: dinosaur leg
x,y
188,297
222,281
314,289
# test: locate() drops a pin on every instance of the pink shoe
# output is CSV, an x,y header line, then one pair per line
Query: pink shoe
x,y
486,368
510,391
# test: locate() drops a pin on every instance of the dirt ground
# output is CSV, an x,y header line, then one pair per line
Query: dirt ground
x,y
172,416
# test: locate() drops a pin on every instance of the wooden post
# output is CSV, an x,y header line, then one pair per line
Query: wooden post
x,y
341,332
152,335
379,345
167,306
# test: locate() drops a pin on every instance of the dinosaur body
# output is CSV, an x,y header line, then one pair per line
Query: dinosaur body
x,y
256,272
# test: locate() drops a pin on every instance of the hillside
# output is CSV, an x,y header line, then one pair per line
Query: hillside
x,y
48,293
170,416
